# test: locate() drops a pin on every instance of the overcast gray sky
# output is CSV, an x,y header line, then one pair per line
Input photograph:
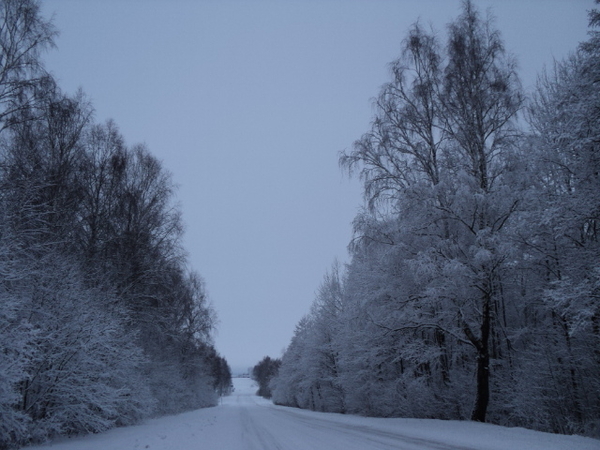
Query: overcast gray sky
x,y
248,104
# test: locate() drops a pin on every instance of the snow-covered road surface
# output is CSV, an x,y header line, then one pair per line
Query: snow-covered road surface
x,y
246,422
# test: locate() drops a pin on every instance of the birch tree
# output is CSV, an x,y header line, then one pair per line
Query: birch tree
x,y
24,36
440,153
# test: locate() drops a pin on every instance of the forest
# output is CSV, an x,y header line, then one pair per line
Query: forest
x,y
473,286
102,322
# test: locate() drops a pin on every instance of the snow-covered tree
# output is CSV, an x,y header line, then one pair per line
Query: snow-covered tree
x,y
289,387
560,240
101,321
440,155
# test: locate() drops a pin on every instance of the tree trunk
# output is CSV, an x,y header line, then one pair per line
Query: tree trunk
x,y
482,397
483,387
483,366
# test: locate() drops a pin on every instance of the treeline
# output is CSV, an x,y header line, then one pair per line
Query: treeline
x,y
263,372
101,321
473,290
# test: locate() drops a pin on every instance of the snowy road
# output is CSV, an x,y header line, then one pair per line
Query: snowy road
x,y
266,427
246,422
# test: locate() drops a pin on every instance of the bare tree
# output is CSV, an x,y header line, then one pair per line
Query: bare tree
x,y
403,146
24,35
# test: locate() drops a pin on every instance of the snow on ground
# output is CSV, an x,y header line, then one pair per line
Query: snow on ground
x,y
245,421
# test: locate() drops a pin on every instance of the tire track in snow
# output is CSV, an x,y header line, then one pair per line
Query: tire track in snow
x,y
256,436
370,435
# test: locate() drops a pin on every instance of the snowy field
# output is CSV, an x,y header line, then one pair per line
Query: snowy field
x,y
245,421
